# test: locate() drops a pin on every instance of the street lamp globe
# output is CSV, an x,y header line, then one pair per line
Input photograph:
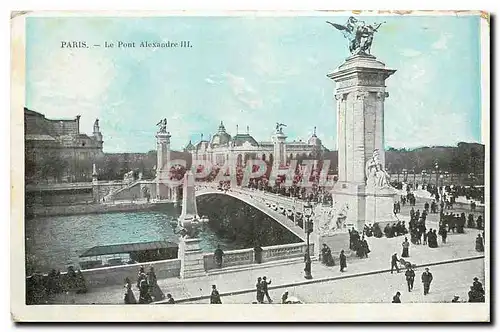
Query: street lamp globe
x,y
308,210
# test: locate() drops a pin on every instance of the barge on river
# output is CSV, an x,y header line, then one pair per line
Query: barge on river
x,y
127,253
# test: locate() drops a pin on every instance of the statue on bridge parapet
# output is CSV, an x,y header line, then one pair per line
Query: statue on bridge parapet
x,y
279,127
162,126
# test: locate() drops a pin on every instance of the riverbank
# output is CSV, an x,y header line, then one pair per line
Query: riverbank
x,y
68,210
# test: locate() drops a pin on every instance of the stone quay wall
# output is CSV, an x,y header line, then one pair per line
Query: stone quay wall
x,y
115,275
45,211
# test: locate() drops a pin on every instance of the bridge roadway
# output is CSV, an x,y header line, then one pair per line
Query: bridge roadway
x,y
258,200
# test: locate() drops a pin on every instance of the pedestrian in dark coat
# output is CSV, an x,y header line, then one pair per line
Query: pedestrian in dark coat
x,y
218,256
258,254
260,293
479,222
443,232
144,295
129,294
343,261
406,248
265,291
326,256
478,286
426,280
479,243
394,263
215,296
140,276
410,278
366,248
154,289
396,298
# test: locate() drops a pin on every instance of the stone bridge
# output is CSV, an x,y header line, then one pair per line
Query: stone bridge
x,y
279,208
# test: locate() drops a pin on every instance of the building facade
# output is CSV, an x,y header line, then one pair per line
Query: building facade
x,y
222,147
56,150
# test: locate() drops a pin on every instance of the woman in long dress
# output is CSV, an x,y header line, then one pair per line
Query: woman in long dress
x,y
129,294
155,290
406,248
326,256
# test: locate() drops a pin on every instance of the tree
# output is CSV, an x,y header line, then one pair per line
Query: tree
x,y
51,165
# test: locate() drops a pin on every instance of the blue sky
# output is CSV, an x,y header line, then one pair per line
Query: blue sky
x,y
250,71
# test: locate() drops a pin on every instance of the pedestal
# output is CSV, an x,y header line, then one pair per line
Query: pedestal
x,y
95,191
191,256
337,242
351,198
380,207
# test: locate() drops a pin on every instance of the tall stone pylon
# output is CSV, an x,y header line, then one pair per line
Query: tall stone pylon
x,y
95,185
279,139
189,211
190,253
163,190
360,95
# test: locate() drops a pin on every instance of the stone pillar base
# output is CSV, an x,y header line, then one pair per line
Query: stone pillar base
x,y
192,263
350,198
336,242
380,207
95,192
163,191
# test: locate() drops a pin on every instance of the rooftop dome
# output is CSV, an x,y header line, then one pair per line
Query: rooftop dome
x,y
189,147
221,138
314,140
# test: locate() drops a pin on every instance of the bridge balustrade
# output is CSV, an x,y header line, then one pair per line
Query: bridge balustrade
x,y
231,258
243,257
285,251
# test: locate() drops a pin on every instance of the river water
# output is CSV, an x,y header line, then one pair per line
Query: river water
x,y
56,242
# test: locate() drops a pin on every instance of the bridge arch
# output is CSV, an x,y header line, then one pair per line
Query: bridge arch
x,y
247,199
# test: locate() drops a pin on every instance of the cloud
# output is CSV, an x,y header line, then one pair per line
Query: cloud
x,y
410,53
64,84
243,91
442,42
209,80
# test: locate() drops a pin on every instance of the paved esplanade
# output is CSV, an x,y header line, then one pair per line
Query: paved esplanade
x,y
457,246
449,280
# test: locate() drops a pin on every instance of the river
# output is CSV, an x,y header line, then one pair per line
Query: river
x,y
56,242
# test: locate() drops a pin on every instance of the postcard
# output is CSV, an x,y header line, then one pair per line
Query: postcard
x,y
334,161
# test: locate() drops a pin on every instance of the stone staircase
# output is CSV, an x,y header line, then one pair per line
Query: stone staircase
x,y
112,194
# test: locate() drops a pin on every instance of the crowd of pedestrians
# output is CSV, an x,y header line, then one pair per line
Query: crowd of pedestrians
x,y
149,291
40,288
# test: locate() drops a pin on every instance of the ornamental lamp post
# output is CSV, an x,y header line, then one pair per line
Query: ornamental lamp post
x,y
405,175
308,228
424,173
436,165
